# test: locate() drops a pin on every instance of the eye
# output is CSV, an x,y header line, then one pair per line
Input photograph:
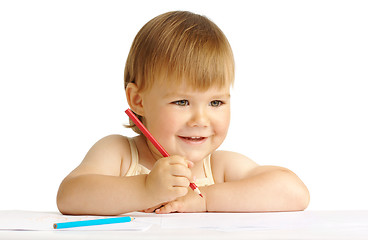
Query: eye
x,y
216,103
181,102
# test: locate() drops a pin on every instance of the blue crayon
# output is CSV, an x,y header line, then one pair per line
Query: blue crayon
x,y
93,222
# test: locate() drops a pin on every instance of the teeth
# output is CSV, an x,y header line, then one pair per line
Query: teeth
x,y
194,138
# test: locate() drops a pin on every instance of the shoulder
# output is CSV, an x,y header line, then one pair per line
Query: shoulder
x,y
107,156
113,142
230,166
111,145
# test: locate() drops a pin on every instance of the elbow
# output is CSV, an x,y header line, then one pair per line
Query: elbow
x,y
63,206
300,198
304,198
297,194
63,200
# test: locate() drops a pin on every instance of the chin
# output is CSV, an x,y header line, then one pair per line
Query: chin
x,y
195,158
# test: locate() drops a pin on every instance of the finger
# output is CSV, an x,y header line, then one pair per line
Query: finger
x,y
152,209
180,160
180,171
179,191
168,208
180,182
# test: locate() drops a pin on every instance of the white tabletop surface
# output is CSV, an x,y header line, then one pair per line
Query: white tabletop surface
x,y
294,225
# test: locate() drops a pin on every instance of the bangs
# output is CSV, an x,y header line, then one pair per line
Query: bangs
x,y
197,62
180,48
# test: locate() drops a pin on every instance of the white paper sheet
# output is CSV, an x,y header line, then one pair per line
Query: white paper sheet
x,y
229,222
43,221
263,221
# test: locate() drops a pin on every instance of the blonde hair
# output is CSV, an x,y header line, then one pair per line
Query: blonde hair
x,y
180,47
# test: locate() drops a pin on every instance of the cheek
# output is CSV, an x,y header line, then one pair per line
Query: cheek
x,y
163,126
222,124
168,120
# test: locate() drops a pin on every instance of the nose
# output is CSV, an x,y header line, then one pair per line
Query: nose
x,y
199,118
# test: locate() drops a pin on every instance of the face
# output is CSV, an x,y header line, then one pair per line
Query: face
x,y
187,122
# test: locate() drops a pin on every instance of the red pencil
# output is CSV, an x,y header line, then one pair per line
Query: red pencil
x,y
146,133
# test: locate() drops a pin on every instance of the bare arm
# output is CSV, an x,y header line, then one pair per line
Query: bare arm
x,y
248,187
96,186
266,189
243,186
102,194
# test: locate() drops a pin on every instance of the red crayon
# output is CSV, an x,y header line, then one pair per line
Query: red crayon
x,y
146,133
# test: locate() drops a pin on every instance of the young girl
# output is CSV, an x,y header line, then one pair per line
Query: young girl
x,y
177,81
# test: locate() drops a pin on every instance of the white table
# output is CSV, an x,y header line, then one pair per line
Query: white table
x,y
297,225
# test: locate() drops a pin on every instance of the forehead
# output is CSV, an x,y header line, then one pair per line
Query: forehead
x,y
171,90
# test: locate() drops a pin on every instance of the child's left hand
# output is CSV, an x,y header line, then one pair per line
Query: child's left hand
x,y
191,202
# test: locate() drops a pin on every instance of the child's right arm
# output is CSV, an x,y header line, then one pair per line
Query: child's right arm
x,y
97,187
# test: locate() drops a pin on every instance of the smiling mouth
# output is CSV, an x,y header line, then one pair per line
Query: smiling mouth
x,y
193,139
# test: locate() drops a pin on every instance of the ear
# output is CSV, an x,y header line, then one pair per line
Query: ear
x,y
134,98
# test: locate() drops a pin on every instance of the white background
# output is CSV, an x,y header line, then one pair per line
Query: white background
x,y
299,101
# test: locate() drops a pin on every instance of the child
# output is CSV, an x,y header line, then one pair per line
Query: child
x,y
177,81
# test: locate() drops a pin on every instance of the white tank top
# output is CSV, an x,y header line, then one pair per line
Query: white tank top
x,y
137,169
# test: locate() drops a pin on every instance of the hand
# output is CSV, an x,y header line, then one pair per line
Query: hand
x,y
191,202
169,179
